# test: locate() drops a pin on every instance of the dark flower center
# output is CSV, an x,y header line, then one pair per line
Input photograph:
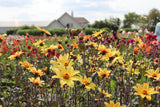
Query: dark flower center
x,y
59,47
41,44
49,50
154,75
103,52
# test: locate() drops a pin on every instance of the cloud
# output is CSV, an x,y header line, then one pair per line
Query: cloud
x,y
14,3
92,10
36,10
138,6
92,16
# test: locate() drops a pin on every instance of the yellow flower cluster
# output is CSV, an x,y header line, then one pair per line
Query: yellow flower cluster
x,y
36,72
144,90
112,104
15,56
63,68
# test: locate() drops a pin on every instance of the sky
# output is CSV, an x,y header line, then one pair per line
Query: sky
x,y
92,10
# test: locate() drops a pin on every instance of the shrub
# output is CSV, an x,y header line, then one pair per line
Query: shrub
x,y
31,32
57,31
38,32
11,31
27,27
89,31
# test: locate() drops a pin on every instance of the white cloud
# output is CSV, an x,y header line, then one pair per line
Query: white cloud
x,y
37,10
92,4
90,9
97,15
138,6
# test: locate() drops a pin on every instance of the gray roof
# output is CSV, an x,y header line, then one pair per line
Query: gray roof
x,y
81,20
21,23
54,22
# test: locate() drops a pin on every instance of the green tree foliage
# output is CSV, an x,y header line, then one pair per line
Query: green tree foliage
x,y
143,21
112,24
27,27
131,19
99,24
150,20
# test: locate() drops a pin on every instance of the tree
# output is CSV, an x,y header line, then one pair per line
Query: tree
x,y
152,19
131,19
98,24
143,21
112,23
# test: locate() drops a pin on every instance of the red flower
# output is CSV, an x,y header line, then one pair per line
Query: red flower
x,y
159,43
5,48
3,42
26,41
16,42
15,49
34,50
156,61
29,47
58,54
28,54
32,41
59,41
24,51
51,53
81,35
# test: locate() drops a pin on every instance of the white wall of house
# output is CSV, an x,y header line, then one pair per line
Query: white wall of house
x,y
84,25
55,24
66,19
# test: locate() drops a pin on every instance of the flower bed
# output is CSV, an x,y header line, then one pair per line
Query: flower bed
x,y
91,70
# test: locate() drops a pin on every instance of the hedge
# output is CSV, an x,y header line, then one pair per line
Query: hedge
x,y
57,31
11,31
27,27
30,31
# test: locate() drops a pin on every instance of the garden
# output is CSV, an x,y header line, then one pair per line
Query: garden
x,y
102,69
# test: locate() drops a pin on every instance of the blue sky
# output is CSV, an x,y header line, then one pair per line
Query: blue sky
x,y
48,10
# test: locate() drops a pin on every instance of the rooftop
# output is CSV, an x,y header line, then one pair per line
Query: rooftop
x,y
81,20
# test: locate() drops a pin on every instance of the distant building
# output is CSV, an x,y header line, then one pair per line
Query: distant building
x,y
61,22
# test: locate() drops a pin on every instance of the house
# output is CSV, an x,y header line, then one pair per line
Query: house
x,y
74,22
61,22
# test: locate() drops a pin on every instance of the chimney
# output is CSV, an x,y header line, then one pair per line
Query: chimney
x,y
72,13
